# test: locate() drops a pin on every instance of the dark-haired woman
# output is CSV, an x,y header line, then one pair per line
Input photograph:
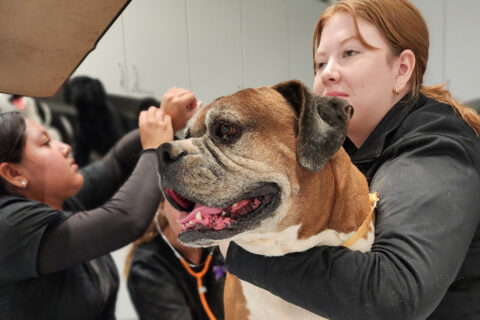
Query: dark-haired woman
x,y
57,224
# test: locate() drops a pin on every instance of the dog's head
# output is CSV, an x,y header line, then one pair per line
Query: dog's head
x,y
238,167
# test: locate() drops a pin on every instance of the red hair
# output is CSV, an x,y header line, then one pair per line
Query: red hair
x,y
403,27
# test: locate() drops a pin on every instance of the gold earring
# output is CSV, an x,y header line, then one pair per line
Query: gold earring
x,y
396,90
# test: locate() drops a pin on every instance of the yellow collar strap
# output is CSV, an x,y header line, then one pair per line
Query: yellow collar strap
x,y
363,229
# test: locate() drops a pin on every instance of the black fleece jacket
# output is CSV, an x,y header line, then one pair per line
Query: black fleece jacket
x,y
55,264
424,162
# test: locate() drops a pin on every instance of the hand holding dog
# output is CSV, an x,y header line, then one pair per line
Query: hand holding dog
x,y
180,104
155,127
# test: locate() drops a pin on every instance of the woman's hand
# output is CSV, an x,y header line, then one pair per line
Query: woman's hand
x,y
180,104
155,128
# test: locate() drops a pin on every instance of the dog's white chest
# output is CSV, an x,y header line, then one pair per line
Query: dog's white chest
x,y
263,305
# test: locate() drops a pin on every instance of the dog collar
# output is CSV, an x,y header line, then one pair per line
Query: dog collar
x,y
363,229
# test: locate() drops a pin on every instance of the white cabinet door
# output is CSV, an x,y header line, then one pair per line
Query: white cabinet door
x,y
462,47
157,47
302,19
265,42
434,13
107,61
214,47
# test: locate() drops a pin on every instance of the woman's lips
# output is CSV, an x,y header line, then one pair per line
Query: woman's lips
x,y
73,166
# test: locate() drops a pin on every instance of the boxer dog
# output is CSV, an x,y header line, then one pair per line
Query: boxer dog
x,y
265,168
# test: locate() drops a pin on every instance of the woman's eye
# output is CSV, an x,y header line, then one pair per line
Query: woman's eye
x,y
349,53
319,65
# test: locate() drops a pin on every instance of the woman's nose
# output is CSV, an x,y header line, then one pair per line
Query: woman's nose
x,y
330,72
65,148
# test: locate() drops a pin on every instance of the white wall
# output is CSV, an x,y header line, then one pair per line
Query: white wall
x,y
213,47
454,45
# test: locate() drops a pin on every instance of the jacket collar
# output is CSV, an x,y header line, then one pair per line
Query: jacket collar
x,y
373,147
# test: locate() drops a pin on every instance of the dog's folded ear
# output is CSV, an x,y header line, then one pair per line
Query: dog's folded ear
x,y
322,123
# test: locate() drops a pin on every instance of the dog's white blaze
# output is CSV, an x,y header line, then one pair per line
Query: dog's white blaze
x,y
263,305
286,241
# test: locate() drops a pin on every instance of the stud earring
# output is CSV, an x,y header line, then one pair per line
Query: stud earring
x,y
24,184
396,90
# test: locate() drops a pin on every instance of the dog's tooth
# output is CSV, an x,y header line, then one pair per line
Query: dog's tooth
x,y
198,216
190,223
223,213
234,205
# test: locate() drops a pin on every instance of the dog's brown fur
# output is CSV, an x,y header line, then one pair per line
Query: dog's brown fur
x,y
291,139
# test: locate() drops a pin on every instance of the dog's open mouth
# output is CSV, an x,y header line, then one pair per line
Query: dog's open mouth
x,y
237,216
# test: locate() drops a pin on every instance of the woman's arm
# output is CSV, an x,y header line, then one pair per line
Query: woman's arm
x,y
426,219
89,234
102,178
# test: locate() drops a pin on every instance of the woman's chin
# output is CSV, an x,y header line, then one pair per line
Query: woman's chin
x,y
76,185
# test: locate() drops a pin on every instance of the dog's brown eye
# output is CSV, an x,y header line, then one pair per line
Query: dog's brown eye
x,y
226,131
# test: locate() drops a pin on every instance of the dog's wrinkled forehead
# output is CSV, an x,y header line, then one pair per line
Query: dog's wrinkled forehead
x,y
247,107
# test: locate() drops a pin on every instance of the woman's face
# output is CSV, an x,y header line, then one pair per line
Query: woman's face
x,y
362,76
172,216
51,173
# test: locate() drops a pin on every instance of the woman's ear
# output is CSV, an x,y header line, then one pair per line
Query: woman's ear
x,y
406,65
11,173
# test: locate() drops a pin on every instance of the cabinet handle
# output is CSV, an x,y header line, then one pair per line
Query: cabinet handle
x,y
136,82
122,76
135,87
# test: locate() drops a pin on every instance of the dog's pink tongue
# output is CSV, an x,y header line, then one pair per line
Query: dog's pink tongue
x,y
203,210
206,210
205,216
210,217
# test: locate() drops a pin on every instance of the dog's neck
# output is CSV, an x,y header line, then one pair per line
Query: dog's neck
x,y
343,201
341,204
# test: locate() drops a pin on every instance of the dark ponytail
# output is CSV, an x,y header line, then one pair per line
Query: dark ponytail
x,y
12,141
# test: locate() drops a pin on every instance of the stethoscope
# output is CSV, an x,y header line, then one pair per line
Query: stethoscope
x,y
188,266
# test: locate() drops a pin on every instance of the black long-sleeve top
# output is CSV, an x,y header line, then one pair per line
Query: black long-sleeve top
x,y
161,288
424,162
56,264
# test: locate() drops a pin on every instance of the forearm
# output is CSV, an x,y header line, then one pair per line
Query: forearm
x,y
425,225
332,282
90,234
122,157
104,177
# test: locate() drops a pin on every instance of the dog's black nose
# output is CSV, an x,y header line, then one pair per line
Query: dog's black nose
x,y
167,153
